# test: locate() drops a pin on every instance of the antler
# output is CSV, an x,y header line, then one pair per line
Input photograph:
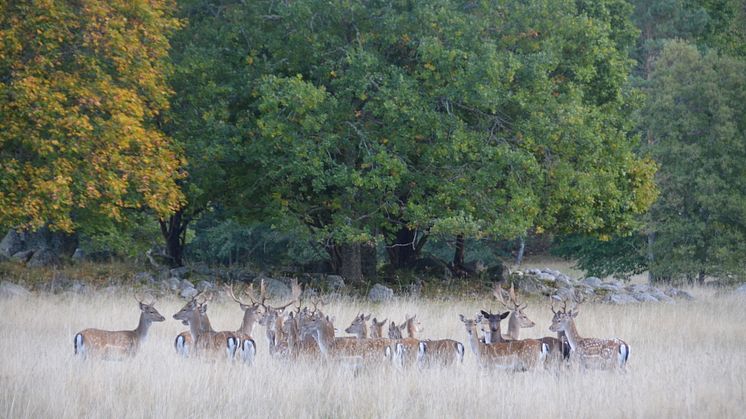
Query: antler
x,y
232,294
514,299
497,292
295,294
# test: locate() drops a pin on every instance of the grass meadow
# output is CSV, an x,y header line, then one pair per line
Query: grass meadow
x,y
687,360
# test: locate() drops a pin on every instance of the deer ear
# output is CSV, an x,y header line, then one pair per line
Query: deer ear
x,y
463,319
485,314
574,313
504,315
367,317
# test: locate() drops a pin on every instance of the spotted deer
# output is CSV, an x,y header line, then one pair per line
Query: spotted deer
x,y
322,330
273,318
589,352
512,355
376,328
114,344
245,333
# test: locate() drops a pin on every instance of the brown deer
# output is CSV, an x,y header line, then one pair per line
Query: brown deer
x,y
376,328
106,343
590,352
512,355
206,339
322,330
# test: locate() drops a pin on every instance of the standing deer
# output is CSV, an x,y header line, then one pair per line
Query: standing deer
x,y
513,355
205,338
106,343
273,318
590,352
376,328
322,330
247,348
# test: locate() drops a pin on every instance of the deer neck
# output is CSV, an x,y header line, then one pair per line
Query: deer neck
x,y
496,335
571,332
204,323
247,325
411,329
514,327
474,342
142,328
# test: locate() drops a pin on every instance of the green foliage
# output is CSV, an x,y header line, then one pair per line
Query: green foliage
x,y
697,121
359,120
82,87
617,256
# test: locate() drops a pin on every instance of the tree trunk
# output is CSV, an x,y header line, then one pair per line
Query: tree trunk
x,y
458,256
406,248
650,257
351,266
701,278
174,233
521,250
368,260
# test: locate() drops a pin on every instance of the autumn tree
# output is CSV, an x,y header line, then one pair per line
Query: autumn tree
x,y
82,93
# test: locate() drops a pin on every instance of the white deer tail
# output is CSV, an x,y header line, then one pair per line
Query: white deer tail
x,y
623,354
181,346
460,352
78,344
248,351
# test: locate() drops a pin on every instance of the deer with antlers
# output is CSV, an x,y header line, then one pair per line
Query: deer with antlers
x,y
517,355
251,314
589,352
206,339
106,343
558,348
273,319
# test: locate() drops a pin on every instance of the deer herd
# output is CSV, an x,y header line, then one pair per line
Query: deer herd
x,y
305,331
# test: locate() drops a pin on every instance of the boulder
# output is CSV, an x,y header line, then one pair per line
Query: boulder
x,y
188,293
275,288
10,290
619,299
740,290
78,256
380,293
23,256
546,277
43,257
180,272
12,243
552,272
609,286
144,278
563,280
184,284
335,282
173,284
592,282
644,297
205,286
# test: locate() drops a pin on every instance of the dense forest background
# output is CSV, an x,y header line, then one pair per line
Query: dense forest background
x,y
369,137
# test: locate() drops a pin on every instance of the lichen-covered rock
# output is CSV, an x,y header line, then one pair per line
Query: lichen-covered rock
x,y
592,281
42,258
619,299
9,290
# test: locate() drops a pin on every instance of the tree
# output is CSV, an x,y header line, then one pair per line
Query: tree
x,y
697,120
394,121
82,91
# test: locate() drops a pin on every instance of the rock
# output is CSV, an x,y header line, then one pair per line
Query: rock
x,y
180,272
184,284
639,288
677,293
188,293
552,272
380,293
546,277
205,285
23,256
644,297
173,283
275,288
78,256
661,296
619,299
534,287
10,290
144,278
565,294
12,243
609,286
592,282
533,271
42,258
335,282
740,290
563,280
78,287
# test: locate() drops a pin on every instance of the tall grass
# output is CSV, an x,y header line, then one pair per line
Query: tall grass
x,y
687,360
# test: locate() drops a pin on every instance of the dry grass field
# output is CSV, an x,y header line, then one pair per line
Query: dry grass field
x,y
687,360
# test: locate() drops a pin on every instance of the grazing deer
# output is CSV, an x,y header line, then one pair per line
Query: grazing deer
x,y
590,352
513,355
205,338
106,343
376,328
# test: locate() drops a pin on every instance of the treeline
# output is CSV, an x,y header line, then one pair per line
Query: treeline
x,y
357,134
